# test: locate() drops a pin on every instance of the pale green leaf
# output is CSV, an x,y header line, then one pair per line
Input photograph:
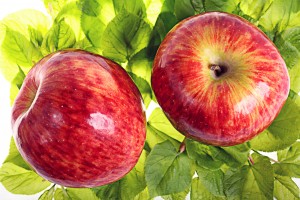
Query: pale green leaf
x,y
48,194
280,15
199,192
18,49
152,8
55,6
60,36
167,171
255,8
81,193
212,180
18,180
285,188
288,161
15,157
61,194
159,121
282,132
136,7
250,182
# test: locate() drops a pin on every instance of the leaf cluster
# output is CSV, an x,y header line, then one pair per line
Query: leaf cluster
x,y
130,32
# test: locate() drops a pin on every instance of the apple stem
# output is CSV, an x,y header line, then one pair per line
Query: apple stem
x,y
217,70
182,146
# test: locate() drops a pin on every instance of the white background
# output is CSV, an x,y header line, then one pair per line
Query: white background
x,y
6,7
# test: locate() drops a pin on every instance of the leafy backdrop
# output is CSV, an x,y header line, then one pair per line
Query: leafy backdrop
x,y
129,32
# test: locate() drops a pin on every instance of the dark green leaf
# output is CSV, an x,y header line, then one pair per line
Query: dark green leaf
x,y
141,64
201,154
212,180
199,192
285,188
288,161
15,157
220,5
183,9
144,88
60,36
282,132
198,5
124,36
250,182
18,180
167,171
165,22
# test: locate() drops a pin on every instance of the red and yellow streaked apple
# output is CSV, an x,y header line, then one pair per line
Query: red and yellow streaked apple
x,y
219,79
79,119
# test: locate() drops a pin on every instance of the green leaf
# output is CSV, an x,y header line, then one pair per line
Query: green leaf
x,y
280,15
48,194
165,22
177,196
288,161
18,180
144,88
141,64
255,8
282,132
183,9
199,192
55,6
61,194
125,36
18,49
289,47
202,156
167,171
128,187
60,36
159,121
16,84
36,37
81,193
136,7
155,136
285,188
152,8
15,157
220,5
250,182
212,180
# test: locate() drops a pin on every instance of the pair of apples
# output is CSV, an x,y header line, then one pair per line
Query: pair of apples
x,y
79,119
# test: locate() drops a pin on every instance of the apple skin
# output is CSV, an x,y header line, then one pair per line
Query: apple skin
x,y
227,108
79,119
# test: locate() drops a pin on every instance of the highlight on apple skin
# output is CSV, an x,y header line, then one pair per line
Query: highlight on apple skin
x,y
219,79
79,119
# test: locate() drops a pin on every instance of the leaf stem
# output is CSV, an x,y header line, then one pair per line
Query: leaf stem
x,y
182,146
250,159
271,159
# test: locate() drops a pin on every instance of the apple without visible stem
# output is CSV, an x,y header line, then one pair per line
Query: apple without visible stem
x,y
79,119
219,79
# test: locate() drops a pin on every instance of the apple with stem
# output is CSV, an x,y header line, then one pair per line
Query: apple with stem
x,y
219,79
79,119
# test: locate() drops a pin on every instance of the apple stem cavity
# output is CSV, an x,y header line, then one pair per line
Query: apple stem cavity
x,y
217,70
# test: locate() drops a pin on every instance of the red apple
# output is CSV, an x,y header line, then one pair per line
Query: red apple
x,y
79,120
219,79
